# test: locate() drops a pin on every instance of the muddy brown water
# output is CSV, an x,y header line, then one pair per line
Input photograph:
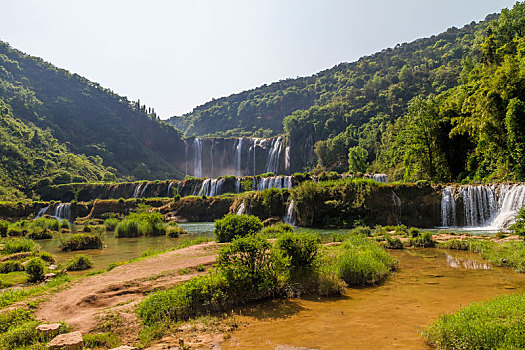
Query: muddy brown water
x,y
428,283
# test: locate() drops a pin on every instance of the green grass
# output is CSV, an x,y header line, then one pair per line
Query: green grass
x,y
18,245
79,262
12,296
12,279
81,241
101,340
495,324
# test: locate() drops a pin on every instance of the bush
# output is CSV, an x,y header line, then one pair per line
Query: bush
x,y
18,245
39,233
494,324
35,270
276,230
424,241
16,232
79,262
111,224
81,241
414,232
64,224
174,231
13,318
4,226
231,226
361,230
363,262
11,266
129,228
518,227
300,248
47,257
393,243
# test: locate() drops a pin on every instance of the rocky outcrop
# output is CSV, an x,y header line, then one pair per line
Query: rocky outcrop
x,y
48,330
69,341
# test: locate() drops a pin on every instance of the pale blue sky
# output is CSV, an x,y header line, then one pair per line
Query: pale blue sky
x,y
175,55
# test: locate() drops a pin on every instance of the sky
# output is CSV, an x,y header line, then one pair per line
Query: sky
x,y
175,55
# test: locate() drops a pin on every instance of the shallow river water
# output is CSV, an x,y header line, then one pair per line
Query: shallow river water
x,y
428,283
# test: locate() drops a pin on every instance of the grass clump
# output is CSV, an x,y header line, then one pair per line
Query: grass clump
x,y
35,270
232,226
141,224
174,230
362,262
40,233
11,266
494,324
101,340
393,242
79,262
111,224
423,240
19,245
81,241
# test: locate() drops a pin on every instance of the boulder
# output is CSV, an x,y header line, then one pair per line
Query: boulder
x,y
69,341
48,330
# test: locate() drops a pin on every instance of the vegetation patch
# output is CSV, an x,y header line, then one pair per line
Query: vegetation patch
x,y
78,263
81,241
231,226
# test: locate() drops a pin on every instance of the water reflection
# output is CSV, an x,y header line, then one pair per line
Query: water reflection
x,y
466,263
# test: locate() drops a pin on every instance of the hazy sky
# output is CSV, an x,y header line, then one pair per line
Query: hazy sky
x,y
175,55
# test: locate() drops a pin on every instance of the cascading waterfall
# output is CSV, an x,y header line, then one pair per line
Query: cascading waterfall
x,y
396,201
186,151
241,210
63,211
143,190
490,207
136,191
480,204
211,187
380,178
197,161
41,212
169,188
287,159
254,158
289,218
272,162
278,182
448,207
511,199
211,155
238,186
238,159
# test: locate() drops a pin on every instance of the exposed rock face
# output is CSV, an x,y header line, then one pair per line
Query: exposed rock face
x,y
48,330
69,341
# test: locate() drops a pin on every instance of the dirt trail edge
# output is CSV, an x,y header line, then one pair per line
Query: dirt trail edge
x,y
80,304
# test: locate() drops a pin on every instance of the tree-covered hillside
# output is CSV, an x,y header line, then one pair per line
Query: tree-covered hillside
x,y
326,103
87,119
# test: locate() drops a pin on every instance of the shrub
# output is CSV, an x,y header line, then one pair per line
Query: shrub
x,y
47,257
20,336
494,324
300,248
393,243
174,231
18,245
424,240
79,262
11,266
81,241
13,318
414,232
16,232
54,225
39,233
232,226
129,228
518,227
111,224
4,226
64,224
276,230
361,230
363,262
35,270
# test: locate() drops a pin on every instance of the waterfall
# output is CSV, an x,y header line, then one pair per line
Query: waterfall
x,y
238,185
254,158
211,155
480,204
211,187
396,201
289,218
241,209
448,207
169,188
380,178
197,161
278,182
136,191
238,159
274,153
63,211
41,212
511,199
143,190
287,159
186,151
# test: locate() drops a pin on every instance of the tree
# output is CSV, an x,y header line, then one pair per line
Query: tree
x,y
515,125
357,159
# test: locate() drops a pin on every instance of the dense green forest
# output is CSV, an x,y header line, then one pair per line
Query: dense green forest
x,y
79,116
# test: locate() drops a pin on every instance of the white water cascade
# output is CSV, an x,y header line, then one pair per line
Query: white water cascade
x,y
197,161
287,159
169,188
143,190
254,156
238,159
448,207
41,212
278,182
136,191
272,162
380,178
241,210
63,211
238,185
289,218
487,207
211,187
186,151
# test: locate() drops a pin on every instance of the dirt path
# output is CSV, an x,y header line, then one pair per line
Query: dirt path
x,y
81,303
